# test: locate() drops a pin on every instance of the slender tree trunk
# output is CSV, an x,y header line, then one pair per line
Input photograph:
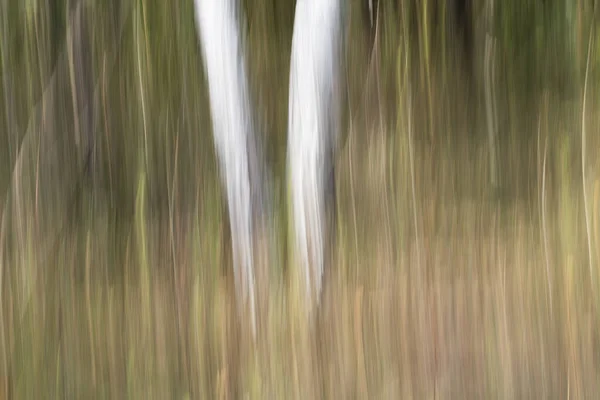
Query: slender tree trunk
x,y
234,136
314,97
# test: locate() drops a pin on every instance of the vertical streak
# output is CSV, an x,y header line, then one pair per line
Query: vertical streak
x,y
585,202
490,92
9,99
232,130
488,108
412,178
312,128
80,68
139,64
543,207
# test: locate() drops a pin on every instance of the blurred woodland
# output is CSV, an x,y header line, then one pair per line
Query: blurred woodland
x,y
466,264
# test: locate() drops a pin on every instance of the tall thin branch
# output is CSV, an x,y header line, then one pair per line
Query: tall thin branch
x,y
412,178
543,210
583,133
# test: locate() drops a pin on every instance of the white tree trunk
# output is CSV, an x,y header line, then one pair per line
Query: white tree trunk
x,y
216,22
313,126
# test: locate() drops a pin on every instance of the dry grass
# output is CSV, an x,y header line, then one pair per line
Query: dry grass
x,y
472,318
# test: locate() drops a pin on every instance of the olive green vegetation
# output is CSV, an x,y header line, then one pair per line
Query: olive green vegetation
x,y
116,273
